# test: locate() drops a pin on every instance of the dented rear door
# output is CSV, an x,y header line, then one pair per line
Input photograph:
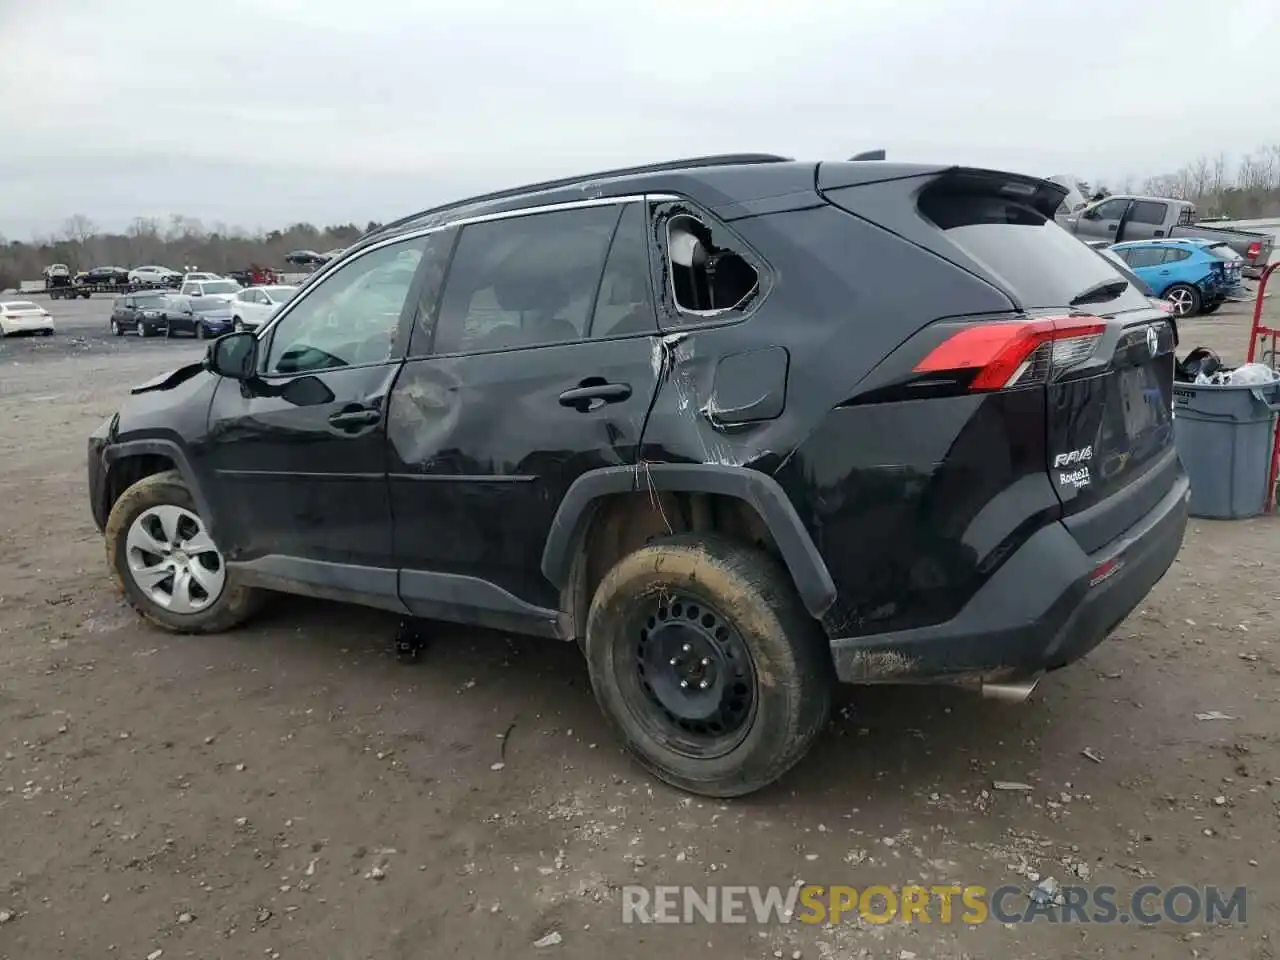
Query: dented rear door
x,y
488,428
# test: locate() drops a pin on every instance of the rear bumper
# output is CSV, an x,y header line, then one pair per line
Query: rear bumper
x,y
1047,606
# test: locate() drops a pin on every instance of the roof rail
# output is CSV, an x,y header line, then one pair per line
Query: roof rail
x,y
715,160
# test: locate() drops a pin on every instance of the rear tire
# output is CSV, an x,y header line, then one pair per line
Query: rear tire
x,y
754,680
1184,298
155,527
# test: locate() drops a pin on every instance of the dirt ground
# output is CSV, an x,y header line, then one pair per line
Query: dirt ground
x,y
291,791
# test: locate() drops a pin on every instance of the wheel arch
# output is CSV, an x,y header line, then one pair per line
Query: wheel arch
x,y
564,556
132,460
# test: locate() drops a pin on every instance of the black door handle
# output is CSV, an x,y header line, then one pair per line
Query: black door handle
x,y
594,396
351,418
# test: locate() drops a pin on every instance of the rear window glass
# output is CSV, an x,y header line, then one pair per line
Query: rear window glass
x,y
21,306
1031,257
1223,252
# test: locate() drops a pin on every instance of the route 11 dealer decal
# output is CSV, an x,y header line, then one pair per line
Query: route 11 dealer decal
x,y
1075,458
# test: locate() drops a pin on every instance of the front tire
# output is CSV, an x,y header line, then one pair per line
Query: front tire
x,y
166,564
707,665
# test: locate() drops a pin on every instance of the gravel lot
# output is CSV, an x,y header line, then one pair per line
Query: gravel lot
x,y
292,791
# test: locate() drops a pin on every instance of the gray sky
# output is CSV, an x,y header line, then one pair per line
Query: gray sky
x,y
257,113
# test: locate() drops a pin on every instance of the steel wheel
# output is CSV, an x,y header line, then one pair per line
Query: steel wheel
x,y
173,560
693,683
115,327
1182,300
142,329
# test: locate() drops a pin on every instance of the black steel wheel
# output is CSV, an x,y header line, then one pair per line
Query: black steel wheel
x,y
707,665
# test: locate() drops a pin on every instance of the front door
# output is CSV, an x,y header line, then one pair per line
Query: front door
x,y
537,366
1102,222
299,454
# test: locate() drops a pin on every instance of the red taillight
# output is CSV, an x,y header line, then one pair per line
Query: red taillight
x,y
1015,353
1255,248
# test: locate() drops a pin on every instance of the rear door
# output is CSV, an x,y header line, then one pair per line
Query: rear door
x,y
1147,220
536,366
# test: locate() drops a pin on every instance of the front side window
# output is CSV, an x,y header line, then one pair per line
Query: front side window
x,y
350,317
524,281
1110,210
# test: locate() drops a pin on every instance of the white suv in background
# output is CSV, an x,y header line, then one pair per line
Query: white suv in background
x,y
217,289
254,306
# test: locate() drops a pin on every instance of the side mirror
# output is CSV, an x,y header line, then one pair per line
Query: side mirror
x,y
234,356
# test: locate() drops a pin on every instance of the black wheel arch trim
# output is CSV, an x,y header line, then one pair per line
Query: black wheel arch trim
x,y
808,569
155,446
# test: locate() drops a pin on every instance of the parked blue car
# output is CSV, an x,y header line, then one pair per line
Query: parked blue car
x,y
1188,274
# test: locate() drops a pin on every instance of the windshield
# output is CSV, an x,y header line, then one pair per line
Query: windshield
x,y
1223,252
221,286
153,302
280,294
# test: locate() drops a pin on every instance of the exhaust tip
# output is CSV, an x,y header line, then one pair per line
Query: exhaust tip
x,y
1013,692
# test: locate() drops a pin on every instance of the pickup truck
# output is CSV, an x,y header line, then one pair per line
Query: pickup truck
x,y
1121,218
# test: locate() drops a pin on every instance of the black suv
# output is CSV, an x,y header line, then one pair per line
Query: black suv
x,y
739,426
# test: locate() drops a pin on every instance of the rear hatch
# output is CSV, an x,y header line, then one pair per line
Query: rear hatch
x,y
1109,377
1078,330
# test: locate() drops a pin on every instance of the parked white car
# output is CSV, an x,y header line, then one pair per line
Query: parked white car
x,y
217,289
23,316
254,306
155,276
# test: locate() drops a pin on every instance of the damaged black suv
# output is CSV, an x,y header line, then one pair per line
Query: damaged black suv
x,y
740,426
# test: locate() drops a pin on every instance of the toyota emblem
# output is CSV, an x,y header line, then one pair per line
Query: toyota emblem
x,y
1153,341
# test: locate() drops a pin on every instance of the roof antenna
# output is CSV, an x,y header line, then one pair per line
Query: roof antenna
x,y
868,155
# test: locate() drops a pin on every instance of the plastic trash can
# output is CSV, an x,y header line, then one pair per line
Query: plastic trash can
x,y
1224,433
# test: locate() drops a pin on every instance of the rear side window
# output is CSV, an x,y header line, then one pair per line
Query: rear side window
x,y
1031,257
524,281
1173,255
1148,211
624,306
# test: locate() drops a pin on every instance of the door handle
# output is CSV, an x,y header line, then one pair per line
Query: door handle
x,y
352,418
595,395
1164,273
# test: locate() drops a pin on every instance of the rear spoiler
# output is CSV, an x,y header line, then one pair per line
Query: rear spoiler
x,y
1042,195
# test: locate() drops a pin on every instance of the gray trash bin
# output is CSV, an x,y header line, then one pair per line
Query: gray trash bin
x,y
1223,434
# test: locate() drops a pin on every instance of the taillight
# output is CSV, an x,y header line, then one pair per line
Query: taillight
x,y
1015,353
1255,248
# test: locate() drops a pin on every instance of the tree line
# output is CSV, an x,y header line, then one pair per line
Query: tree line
x,y
177,243
1248,189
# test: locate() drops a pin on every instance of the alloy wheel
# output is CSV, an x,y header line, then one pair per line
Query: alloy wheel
x,y
1181,301
173,560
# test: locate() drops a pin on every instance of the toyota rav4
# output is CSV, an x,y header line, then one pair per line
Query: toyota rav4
x,y
739,426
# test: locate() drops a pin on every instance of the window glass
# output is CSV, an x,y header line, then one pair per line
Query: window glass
x,y
191,288
1111,210
435,264
1187,216
1144,256
350,317
1148,211
524,281
1173,255
1036,260
624,305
